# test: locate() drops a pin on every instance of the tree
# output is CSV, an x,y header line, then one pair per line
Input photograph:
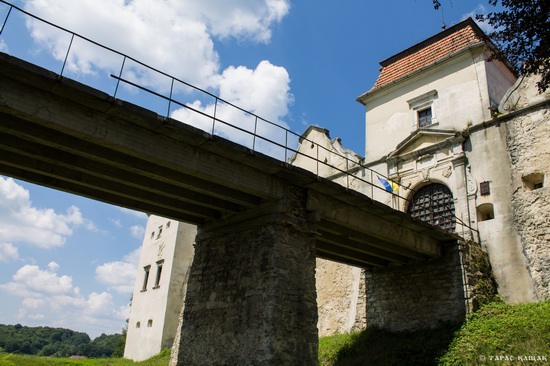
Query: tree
x,y
522,33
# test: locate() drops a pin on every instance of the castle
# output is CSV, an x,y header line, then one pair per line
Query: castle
x,y
461,139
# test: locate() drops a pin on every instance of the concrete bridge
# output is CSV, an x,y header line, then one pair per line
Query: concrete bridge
x,y
262,222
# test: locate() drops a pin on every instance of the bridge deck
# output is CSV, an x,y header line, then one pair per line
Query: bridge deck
x,y
67,136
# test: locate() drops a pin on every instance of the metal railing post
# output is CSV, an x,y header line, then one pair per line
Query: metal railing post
x,y
67,55
214,119
119,76
254,135
170,99
5,20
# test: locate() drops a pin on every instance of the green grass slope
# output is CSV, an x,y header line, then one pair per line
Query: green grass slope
x,y
7,359
496,334
500,333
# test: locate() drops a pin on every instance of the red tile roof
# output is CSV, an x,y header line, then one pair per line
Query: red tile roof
x,y
449,41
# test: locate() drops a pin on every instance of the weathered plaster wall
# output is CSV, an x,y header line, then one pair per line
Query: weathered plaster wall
x,y
418,295
339,297
156,308
489,161
528,142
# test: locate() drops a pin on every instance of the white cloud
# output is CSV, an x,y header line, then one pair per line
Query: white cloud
x,y
171,35
8,252
120,275
50,299
52,266
138,214
264,91
32,303
3,46
32,278
20,222
480,9
137,231
177,37
241,19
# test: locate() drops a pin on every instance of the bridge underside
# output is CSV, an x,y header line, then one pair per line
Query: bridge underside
x,y
65,135
261,222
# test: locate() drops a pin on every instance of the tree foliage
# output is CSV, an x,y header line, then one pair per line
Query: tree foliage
x,y
58,342
522,33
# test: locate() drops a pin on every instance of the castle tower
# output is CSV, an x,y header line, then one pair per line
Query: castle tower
x,y
166,256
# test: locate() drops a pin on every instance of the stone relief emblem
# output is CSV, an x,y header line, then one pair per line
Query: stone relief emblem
x,y
160,249
425,174
447,172
470,180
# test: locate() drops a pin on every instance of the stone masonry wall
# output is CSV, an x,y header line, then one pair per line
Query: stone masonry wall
x,y
340,301
528,139
417,295
251,293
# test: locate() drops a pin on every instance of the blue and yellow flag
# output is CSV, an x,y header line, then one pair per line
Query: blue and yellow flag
x,y
389,185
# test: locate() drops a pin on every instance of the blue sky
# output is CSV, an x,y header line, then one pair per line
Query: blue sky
x,y
68,261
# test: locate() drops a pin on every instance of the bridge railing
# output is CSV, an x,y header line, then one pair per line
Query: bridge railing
x,y
215,115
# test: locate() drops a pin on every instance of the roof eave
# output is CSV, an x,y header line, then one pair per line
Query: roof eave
x,y
362,98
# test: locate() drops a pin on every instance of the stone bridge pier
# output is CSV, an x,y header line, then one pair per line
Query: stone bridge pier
x,y
251,297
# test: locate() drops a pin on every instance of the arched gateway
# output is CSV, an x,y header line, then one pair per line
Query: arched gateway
x,y
434,204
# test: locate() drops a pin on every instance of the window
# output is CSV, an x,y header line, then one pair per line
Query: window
x,y
152,235
422,109
485,212
149,323
533,181
425,117
160,232
168,224
159,272
434,204
138,325
146,269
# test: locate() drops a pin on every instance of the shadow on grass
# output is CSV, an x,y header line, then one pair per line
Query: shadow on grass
x,y
381,347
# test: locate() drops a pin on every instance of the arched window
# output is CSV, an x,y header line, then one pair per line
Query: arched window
x,y
434,204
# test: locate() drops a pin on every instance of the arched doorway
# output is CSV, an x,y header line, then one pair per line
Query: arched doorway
x,y
434,204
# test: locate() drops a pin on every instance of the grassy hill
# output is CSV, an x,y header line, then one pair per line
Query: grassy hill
x,y
496,334
7,359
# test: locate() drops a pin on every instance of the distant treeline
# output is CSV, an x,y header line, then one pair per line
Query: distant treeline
x,y
58,342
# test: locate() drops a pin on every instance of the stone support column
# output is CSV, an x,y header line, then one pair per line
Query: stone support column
x,y
462,209
251,297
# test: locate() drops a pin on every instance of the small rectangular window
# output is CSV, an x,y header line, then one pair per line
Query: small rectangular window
x,y
160,232
146,269
159,273
425,117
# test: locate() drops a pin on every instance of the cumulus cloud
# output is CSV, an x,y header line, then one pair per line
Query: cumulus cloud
x,y
3,46
263,91
8,252
480,9
137,231
21,222
178,38
138,214
120,275
171,35
31,278
45,294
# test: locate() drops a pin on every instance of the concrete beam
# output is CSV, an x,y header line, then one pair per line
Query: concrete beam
x,y
389,230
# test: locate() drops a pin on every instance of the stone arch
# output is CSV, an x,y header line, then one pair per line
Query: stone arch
x,y
433,203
